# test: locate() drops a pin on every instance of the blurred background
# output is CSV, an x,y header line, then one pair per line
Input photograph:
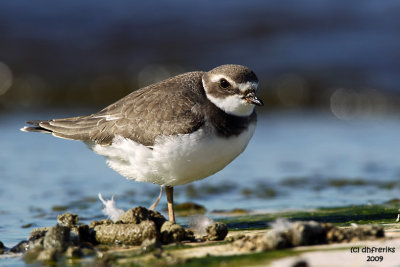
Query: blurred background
x,y
328,134
310,54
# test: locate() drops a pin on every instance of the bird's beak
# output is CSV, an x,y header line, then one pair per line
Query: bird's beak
x,y
251,98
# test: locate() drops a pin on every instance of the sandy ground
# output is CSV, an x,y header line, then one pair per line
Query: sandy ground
x,y
384,252
349,254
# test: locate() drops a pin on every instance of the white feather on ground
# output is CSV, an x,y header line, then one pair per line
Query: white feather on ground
x,y
110,209
281,225
200,223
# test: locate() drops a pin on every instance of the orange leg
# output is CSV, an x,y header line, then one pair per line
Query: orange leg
x,y
170,198
154,205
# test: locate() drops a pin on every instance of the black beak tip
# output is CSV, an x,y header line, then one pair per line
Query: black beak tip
x,y
259,102
252,99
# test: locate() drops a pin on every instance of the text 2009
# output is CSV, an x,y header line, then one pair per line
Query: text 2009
x,y
375,258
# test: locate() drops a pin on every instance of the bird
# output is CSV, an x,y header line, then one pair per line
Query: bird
x,y
172,132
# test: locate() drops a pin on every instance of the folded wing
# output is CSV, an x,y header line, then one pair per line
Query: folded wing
x,y
135,116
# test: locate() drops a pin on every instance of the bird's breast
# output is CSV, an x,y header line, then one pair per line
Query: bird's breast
x,y
175,160
200,154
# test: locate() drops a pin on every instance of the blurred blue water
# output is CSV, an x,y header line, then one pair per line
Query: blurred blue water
x,y
38,171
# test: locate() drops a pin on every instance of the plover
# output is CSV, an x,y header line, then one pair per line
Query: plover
x,y
173,132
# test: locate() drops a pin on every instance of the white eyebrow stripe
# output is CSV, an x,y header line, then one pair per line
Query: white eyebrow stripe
x,y
243,87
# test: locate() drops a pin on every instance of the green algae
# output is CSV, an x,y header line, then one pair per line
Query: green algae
x,y
337,182
188,209
59,208
346,182
238,260
206,190
261,190
340,216
167,258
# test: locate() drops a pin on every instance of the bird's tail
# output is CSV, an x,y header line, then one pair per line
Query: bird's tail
x,y
35,127
76,128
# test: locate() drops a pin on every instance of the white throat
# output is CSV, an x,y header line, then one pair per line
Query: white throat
x,y
232,104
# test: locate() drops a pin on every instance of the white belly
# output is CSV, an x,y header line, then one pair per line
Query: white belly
x,y
174,160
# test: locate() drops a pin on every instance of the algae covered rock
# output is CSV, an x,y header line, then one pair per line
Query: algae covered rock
x,y
132,228
47,255
67,220
172,233
127,234
251,243
57,238
73,252
149,245
357,233
307,233
2,248
216,231
101,222
69,239
38,233
21,247
140,214
276,240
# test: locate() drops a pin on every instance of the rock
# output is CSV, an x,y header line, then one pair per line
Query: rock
x,y
68,220
73,252
361,232
57,237
337,235
216,231
127,234
47,255
300,263
276,240
149,245
235,237
101,222
88,252
365,232
36,237
82,233
2,248
189,235
140,214
199,224
31,255
273,239
307,233
21,247
172,233
38,233
250,243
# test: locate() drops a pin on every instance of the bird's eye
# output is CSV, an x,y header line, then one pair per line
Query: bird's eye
x,y
224,83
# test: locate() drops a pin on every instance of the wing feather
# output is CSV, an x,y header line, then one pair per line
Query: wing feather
x,y
165,108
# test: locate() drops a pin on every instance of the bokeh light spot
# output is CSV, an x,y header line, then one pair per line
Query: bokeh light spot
x,y
6,78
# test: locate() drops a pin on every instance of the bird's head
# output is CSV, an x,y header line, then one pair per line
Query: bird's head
x,y
232,88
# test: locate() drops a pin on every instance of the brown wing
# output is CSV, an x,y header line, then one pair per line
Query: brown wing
x,y
166,108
